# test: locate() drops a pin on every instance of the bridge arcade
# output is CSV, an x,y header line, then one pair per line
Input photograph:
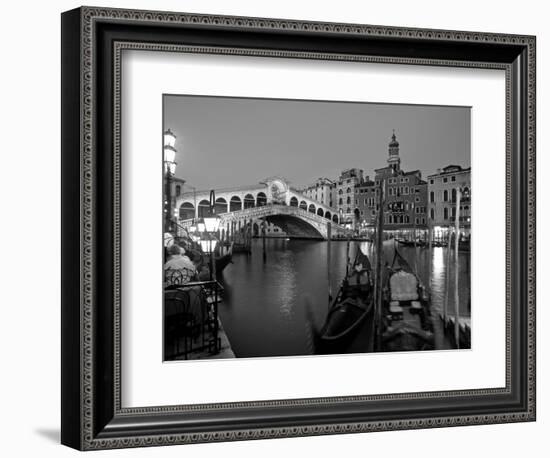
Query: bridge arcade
x,y
237,206
272,190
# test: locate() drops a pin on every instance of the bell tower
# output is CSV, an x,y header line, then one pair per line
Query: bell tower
x,y
394,161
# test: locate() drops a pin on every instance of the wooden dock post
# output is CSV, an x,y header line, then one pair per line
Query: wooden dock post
x,y
447,277
329,262
378,279
249,237
263,240
414,241
430,256
457,243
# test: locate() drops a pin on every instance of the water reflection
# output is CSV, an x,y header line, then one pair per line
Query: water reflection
x,y
265,304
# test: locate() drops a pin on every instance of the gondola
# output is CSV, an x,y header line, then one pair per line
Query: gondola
x,y
407,322
404,242
410,243
349,326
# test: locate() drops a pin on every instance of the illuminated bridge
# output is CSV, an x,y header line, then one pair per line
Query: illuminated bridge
x,y
272,200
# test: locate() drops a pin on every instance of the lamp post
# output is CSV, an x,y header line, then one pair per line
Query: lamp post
x,y
169,171
204,233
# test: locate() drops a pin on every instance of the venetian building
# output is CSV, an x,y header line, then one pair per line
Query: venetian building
x,y
442,191
394,161
322,191
405,195
345,193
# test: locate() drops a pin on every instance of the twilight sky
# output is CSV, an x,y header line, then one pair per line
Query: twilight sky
x,y
225,142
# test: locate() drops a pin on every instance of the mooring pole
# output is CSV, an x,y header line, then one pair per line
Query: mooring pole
x,y
263,241
430,255
457,243
447,276
249,237
347,255
414,240
329,262
378,283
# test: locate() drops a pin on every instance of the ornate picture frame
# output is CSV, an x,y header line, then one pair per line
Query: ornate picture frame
x,y
92,413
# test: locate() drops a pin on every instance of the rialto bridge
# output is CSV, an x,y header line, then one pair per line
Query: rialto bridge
x,y
272,200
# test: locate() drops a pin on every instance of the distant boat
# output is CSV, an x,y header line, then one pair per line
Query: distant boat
x,y
349,326
403,242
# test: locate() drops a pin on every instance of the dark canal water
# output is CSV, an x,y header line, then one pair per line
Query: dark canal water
x,y
264,308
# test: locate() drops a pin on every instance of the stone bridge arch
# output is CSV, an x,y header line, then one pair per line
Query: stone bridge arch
x,y
295,221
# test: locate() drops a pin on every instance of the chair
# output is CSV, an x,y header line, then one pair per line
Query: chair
x,y
177,277
403,287
396,311
185,317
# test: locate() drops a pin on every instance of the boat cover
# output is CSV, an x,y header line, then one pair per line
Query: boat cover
x,y
403,286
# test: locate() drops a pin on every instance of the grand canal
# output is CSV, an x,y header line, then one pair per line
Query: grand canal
x,y
264,308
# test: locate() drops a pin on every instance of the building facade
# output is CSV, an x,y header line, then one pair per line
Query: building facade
x,y
322,191
442,199
405,196
345,193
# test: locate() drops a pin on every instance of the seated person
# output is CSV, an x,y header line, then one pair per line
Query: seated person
x,y
202,269
178,269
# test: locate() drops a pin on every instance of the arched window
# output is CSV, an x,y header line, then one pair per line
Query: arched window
x,y
235,204
348,190
453,195
293,202
432,213
340,191
187,210
335,218
320,212
303,205
340,201
221,205
445,196
261,199
328,215
348,200
204,208
311,208
249,201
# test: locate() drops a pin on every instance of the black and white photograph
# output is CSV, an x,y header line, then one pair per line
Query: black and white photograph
x,y
307,227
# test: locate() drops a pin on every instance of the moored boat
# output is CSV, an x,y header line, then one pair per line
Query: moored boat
x,y
407,321
348,327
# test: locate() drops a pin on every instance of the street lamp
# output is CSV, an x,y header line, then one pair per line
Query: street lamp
x,y
169,171
204,233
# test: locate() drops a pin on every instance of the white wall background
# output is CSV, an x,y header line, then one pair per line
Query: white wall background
x,y
30,240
